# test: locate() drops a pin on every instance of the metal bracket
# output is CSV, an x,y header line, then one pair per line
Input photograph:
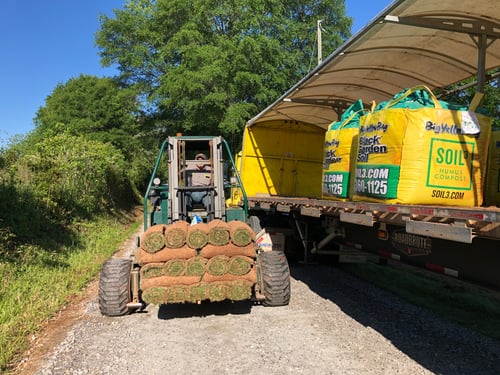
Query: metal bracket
x,y
460,25
453,232
310,211
365,219
282,208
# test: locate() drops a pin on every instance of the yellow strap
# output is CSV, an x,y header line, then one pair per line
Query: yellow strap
x,y
476,101
354,114
411,91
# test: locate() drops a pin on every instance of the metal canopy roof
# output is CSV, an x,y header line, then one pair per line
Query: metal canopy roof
x,y
409,43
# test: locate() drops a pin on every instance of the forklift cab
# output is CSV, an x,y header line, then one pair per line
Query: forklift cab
x,y
197,185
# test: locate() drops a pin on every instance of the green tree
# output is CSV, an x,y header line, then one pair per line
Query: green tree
x,y
463,93
207,66
99,109
92,106
72,175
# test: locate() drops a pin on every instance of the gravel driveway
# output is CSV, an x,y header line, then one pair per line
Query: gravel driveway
x,y
334,324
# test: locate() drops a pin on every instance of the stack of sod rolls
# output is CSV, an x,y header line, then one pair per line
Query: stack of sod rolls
x,y
191,263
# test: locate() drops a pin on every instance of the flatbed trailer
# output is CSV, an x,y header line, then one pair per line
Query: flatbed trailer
x,y
461,224
461,242
409,43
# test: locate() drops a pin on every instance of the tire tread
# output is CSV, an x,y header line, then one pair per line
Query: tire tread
x,y
275,278
114,291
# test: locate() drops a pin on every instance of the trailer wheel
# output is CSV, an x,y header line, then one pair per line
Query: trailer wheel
x,y
275,278
114,287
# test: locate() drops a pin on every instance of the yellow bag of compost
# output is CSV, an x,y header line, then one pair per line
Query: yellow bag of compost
x,y
413,152
340,150
492,186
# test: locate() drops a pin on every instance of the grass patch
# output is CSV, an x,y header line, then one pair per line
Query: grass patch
x,y
470,306
33,292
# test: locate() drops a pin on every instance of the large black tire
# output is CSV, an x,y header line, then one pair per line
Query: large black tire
x,y
114,287
275,278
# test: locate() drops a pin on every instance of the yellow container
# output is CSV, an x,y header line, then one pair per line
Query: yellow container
x,y
422,156
492,186
282,158
340,151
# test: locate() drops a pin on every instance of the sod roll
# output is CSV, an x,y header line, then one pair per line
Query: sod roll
x,y
196,266
175,234
218,234
164,255
155,295
240,290
218,265
175,267
152,239
168,281
237,290
250,276
240,265
198,292
241,233
209,251
176,294
218,291
152,270
197,236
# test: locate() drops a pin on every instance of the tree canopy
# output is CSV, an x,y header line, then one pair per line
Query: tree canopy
x,y
99,109
463,93
88,105
208,66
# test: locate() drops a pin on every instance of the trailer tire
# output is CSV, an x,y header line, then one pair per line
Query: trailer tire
x,y
275,278
114,287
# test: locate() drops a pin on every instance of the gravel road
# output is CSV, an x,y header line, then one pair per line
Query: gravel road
x,y
334,324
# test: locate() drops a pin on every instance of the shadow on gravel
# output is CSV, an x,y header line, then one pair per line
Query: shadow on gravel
x,y
204,309
439,346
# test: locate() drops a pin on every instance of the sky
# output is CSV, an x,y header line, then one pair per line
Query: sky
x,y
45,43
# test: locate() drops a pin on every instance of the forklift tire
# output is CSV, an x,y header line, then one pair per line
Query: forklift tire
x,y
275,278
114,287
254,222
